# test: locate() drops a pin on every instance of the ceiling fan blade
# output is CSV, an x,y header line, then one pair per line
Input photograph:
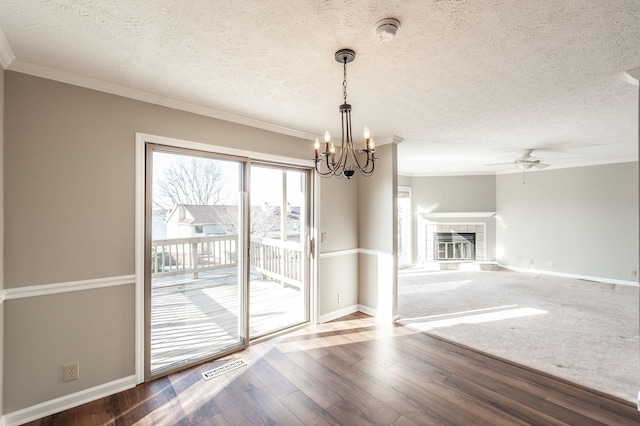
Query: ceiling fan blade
x,y
541,166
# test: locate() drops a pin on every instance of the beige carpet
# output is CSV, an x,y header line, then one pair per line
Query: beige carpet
x,y
582,331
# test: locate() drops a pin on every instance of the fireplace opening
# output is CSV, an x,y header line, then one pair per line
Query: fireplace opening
x,y
455,246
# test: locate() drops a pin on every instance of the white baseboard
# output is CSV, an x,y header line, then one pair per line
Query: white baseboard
x,y
575,276
338,314
53,406
367,310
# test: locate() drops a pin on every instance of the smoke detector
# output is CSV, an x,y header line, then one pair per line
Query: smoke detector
x,y
386,29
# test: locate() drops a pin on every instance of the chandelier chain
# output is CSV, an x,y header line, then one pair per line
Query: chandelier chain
x,y
344,82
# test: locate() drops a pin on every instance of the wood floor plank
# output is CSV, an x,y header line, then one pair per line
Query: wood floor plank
x,y
266,405
316,390
307,410
354,372
361,401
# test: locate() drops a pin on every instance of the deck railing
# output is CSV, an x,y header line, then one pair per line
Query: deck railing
x,y
276,260
193,255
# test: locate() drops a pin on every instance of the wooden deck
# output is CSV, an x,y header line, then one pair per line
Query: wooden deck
x,y
193,317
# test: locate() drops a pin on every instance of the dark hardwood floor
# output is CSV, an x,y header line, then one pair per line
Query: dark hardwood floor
x,y
354,372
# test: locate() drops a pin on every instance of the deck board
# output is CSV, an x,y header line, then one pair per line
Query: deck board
x,y
193,317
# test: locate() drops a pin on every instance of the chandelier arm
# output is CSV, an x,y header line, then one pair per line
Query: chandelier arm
x,y
342,158
329,172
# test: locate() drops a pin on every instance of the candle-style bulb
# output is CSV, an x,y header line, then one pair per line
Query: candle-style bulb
x,y
332,149
316,144
327,136
372,144
366,133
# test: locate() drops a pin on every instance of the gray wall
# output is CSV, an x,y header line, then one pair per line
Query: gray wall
x,y
69,216
453,194
377,235
584,220
339,222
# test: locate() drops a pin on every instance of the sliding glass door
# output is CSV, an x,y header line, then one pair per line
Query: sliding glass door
x,y
278,290
195,279
225,261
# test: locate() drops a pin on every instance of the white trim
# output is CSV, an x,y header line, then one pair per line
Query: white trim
x,y
65,287
139,237
315,260
516,170
444,174
389,140
354,251
217,149
456,215
339,253
634,74
6,54
375,252
338,314
3,296
367,310
570,166
140,95
575,276
68,401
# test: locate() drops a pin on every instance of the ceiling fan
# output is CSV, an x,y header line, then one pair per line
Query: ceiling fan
x,y
525,161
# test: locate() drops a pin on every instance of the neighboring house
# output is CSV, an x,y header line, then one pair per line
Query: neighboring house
x,y
186,221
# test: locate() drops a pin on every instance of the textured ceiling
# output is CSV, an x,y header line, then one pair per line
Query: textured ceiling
x,y
465,83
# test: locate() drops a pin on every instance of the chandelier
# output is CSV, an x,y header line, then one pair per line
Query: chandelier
x,y
347,159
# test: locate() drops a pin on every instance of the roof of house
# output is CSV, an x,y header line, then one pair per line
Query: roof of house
x,y
209,214
220,213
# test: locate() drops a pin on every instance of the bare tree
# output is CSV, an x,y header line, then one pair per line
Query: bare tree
x,y
190,181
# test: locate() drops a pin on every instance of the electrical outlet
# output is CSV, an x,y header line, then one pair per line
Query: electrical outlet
x,y
549,263
71,372
323,237
339,297
633,272
530,261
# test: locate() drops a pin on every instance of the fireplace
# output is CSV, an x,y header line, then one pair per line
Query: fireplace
x,y
455,246
451,242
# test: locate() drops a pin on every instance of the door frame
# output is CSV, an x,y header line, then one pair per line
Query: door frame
x,y
141,139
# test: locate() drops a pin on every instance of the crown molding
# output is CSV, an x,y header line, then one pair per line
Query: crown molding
x,y
512,170
141,95
6,54
634,74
